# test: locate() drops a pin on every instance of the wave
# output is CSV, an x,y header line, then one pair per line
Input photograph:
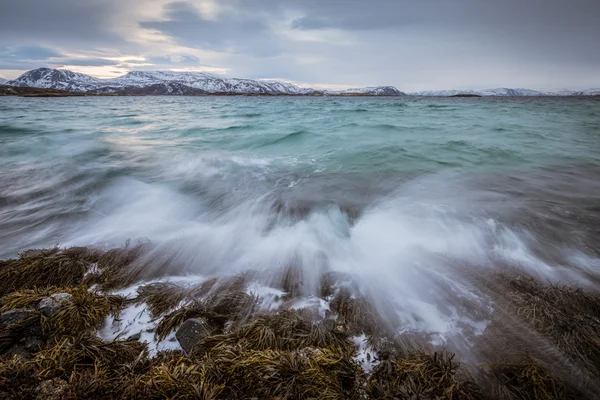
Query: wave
x,y
18,130
289,138
406,249
241,115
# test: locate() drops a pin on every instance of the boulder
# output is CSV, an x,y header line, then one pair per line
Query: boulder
x,y
191,332
50,305
15,316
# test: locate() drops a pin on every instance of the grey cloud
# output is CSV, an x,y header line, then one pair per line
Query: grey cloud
x,y
28,52
231,32
25,56
308,23
413,44
72,21
86,62
28,56
350,23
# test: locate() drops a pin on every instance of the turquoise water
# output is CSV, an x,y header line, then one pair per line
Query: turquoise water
x,y
396,191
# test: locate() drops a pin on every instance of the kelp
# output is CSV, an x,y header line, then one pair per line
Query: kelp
x,y
541,343
46,268
217,309
86,310
355,314
119,268
567,318
161,297
303,374
420,375
284,330
526,379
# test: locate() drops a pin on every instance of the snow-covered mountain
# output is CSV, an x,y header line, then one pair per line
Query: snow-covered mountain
x,y
173,83
195,83
2,81
484,92
507,92
371,91
587,92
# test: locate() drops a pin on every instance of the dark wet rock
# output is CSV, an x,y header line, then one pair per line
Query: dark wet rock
x,y
329,324
191,332
33,343
50,305
11,317
18,351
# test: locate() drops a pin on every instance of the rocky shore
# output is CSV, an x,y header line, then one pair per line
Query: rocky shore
x,y
542,341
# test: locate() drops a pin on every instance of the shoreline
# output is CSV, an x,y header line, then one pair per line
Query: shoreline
x,y
30,92
541,341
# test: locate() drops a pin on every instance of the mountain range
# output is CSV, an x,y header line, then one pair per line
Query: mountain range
x,y
201,83
508,92
175,83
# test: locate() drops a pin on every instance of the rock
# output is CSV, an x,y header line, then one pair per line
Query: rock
x,y
329,324
191,332
52,389
22,331
135,336
19,351
61,296
33,343
50,305
15,316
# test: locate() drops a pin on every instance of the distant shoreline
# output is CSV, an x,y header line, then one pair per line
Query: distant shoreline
x,y
24,91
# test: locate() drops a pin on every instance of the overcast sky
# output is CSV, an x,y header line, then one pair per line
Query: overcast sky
x,y
411,44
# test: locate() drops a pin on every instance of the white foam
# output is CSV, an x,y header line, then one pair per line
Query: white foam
x,y
403,250
366,355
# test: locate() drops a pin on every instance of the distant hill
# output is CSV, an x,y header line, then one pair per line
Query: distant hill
x,y
175,83
505,92
6,90
140,83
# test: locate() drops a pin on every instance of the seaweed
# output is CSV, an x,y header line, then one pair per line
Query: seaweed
x,y
421,375
86,310
302,374
565,316
46,268
355,314
25,298
119,268
284,330
217,309
161,297
526,379
541,343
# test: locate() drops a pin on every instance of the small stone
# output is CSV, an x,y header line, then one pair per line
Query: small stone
x,y
191,332
50,305
135,336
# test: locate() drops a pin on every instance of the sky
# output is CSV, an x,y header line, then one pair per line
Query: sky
x,y
411,44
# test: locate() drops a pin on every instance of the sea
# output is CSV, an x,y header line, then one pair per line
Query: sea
x,y
409,196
